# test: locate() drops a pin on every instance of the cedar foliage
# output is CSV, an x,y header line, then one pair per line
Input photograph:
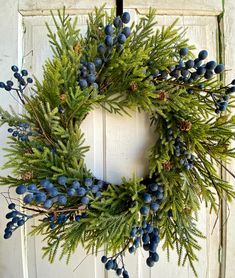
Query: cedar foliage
x,y
110,219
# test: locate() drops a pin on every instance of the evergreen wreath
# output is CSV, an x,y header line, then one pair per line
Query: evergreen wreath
x,y
118,67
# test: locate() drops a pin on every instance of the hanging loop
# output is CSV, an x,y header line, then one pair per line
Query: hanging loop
x,y
119,7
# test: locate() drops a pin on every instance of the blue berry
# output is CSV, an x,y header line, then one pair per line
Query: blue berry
x,y
14,68
95,189
126,31
219,68
29,198
155,257
10,83
108,41
183,51
24,72
44,182
121,38
83,83
48,204
15,219
2,85
21,189
10,130
201,70
133,232
81,191
108,29
75,184
88,182
40,197
154,207
53,192
91,67
17,75
208,74
98,62
109,264
62,180
20,222
104,259
29,80
11,206
144,210
131,249
119,271
32,187
203,54
7,88
101,49
211,65
117,22
7,235
189,64
153,187
85,200
91,78
147,198
71,191
126,17
62,200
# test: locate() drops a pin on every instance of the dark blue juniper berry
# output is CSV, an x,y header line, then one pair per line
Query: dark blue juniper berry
x,y
21,131
22,80
16,220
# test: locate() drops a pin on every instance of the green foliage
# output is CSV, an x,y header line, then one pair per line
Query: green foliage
x,y
125,81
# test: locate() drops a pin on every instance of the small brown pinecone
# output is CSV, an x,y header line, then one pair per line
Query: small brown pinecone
x,y
133,86
63,98
27,175
185,125
77,48
167,166
163,95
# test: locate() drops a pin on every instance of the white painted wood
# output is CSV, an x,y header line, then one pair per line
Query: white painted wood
x,y
118,144
229,41
12,252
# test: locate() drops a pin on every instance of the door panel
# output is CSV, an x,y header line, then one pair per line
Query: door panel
x,y
118,144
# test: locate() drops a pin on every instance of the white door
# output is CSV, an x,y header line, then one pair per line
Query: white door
x,y
118,145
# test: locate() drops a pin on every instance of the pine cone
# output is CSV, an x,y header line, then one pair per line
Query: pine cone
x,y
77,48
163,95
63,98
167,166
185,125
133,86
27,175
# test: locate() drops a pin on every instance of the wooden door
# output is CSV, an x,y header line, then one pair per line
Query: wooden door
x,y
118,145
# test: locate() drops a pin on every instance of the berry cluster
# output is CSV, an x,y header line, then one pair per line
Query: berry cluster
x,y
47,193
115,36
21,78
88,71
221,102
112,263
22,131
150,240
17,219
152,199
186,158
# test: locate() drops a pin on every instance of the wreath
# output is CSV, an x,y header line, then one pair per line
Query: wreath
x,y
118,67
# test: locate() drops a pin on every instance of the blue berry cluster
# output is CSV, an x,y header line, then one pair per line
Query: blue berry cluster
x,y
22,80
152,199
221,101
47,193
111,263
114,36
149,235
17,219
191,70
186,158
22,131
